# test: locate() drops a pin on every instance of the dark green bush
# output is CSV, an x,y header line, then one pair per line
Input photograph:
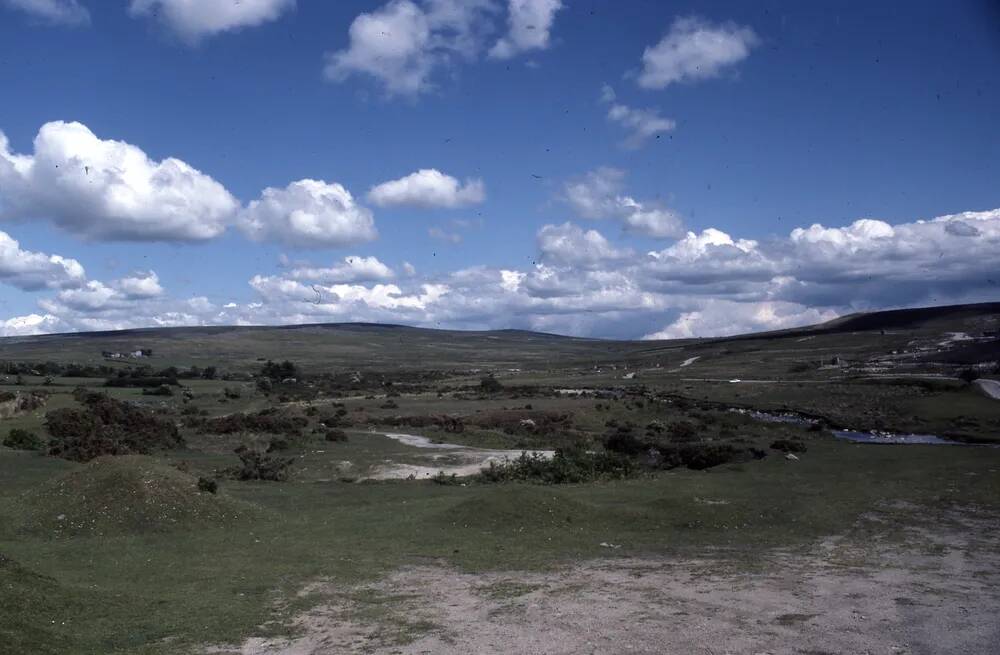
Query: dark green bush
x,y
209,485
20,439
278,444
490,384
278,372
336,435
623,441
147,382
162,390
270,421
789,446
107,426
968,375
569,465
256,464
699,456
707,456
683,431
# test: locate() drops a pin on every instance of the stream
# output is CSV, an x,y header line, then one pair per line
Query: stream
x,y
857,436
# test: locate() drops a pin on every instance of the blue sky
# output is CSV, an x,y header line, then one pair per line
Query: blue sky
x,y
524,197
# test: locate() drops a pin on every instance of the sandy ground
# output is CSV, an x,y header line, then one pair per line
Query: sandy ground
x,y
450,459
935,593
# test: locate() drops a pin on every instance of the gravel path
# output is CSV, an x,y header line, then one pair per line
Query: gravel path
x,y
937,593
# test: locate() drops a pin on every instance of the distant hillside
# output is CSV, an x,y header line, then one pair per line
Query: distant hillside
x,y
907,318
368,345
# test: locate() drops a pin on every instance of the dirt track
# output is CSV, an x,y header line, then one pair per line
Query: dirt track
x,y
938,593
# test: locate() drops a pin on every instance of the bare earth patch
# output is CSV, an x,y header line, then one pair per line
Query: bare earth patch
x,y
446,458
932,592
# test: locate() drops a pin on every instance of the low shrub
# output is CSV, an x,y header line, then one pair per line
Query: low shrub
x,y
208,485
623,441
567,466
256,464
107,426
698,456
20,439
968,375
270,421
162,390
336,435
708,455
278,444
683,431
277,372
148,382
788,446
490,384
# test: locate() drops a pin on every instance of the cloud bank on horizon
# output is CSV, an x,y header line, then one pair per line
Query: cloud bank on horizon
x,y
606,260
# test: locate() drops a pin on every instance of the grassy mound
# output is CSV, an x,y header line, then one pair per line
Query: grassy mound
x,y
510,508
134,494
33,595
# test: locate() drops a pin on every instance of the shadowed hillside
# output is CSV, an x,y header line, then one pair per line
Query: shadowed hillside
x,y
366,345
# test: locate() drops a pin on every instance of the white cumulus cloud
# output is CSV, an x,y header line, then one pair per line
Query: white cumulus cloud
x,y
109,190
530,23
30,324
598,194
725,317
308,214
30,271
428,187
708,282
142,284
641,124
403,43
352,269
193,20
57,12
694,49
571,244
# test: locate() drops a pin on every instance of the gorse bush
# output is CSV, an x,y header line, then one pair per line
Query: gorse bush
x,y
256,464
278,372
683,431
271,421
568,465
107,426
490,384
623,441
208,485
335,435
698,456
445,479
20,439
789,446
149,382
969,375
162,390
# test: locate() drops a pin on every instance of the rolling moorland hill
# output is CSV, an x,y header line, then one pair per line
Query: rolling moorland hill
x,y
364,345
